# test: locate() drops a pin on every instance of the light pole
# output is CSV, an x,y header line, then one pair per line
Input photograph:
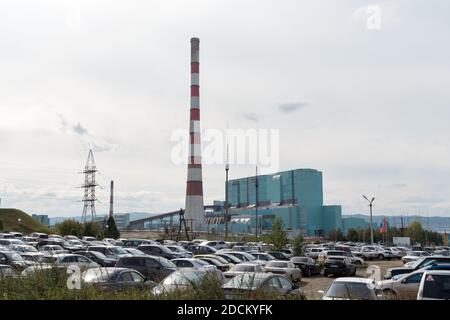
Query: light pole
x,y
371,226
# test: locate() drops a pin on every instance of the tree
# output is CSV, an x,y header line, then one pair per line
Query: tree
x,y
91,229
336,235
69,227
352,235
415,232
278,237
297,244
111,229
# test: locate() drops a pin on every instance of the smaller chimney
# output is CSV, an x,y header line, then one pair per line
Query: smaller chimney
x,y
111,200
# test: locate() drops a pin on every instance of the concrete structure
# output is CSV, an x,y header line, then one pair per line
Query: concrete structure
x,y
42,218
194,211
122,220
295,196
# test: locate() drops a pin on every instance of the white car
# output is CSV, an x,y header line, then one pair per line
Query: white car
x,y
435,285
337,253
66,260
313,252
214,244
414,256
352,288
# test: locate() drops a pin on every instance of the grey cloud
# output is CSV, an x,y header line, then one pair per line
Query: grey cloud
x,y
251,116
292,106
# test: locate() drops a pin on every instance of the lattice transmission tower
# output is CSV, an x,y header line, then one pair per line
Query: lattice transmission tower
x,y
89,197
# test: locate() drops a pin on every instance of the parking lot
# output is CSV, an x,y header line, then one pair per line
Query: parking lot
x,y
318,282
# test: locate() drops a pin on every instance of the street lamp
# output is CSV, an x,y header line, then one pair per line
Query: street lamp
x,y
371,226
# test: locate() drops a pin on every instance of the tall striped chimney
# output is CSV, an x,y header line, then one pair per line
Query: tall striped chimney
x,y
194,191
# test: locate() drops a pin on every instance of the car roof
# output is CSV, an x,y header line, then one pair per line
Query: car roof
x,y
437,272
354,279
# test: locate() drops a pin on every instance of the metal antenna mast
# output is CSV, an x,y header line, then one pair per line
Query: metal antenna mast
x,y
89,198
227,168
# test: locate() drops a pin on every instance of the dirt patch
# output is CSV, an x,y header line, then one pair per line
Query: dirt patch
x,y
313,284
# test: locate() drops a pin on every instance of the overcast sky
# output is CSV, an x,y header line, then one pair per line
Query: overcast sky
x,y
370,108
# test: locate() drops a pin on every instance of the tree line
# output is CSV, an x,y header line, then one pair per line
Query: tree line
x,y
415,231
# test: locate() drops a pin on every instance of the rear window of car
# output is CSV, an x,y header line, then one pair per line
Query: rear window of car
x,y
132,261
244,268
437,287
278,265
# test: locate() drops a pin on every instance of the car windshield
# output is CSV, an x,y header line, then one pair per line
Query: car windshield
x,y
245,281
176,249
244,268
98,254
118,250
182,278
15,256
417,263
248,256
350,290
277,265
166,263
437,287
74,243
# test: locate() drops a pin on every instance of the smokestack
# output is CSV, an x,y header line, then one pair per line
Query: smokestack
x,y
194,191
111,200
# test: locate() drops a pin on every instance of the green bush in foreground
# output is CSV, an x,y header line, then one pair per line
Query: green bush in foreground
x,y
51,284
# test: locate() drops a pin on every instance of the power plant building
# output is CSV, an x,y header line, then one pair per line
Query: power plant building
x,y
295,196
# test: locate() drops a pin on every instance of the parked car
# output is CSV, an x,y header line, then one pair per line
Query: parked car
x,y
420,263
7,271
279,255
219,262
229,257
116,279
113,252
338,253
201,249
190,263
339,266
88,239
243,256
404,287
98,258
307,265
184,279
52,249
154,268
435,285
73,245
214,244
286,268
11,242
352,289
263,256
179,249
13,259
243,268
27,251
134,243
414,256
161,251
247,285
133,251
313,252
68,259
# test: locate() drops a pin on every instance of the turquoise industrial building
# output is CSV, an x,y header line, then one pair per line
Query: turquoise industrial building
x,y
294,196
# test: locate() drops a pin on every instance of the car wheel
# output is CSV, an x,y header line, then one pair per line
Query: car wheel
x,y
357,262
389,294
380,257
325,274
308,273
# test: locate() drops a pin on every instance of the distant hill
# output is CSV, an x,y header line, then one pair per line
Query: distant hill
x,y
133,216
10,220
